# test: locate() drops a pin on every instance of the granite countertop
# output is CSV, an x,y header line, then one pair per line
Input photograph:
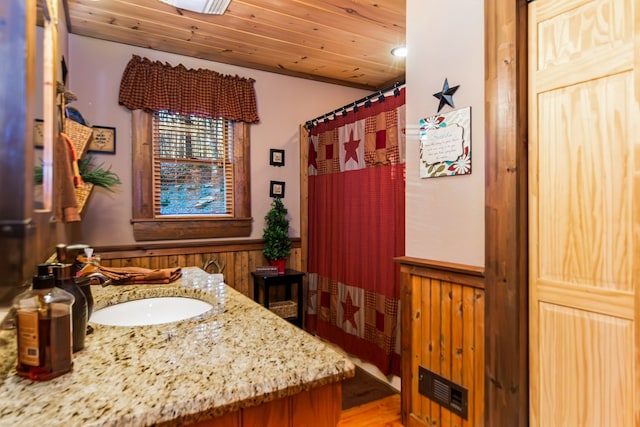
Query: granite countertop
x,y
237,354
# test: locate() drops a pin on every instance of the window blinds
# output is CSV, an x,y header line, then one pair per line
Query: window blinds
x,y
192,165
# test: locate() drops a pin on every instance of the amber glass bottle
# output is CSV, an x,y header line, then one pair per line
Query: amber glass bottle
x,y
43,319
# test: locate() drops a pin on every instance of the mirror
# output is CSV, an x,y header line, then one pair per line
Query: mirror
x,y
211,7
47,55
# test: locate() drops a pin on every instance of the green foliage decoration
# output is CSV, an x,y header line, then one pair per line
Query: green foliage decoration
x,y
94,174
276,232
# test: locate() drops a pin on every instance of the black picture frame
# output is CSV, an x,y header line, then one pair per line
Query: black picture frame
x,y
103,140
38,133
276,189
276,157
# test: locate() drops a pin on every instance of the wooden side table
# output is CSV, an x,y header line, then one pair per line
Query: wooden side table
x,y
288,309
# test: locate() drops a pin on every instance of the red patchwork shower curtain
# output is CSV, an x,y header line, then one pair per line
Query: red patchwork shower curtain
x,y
356,228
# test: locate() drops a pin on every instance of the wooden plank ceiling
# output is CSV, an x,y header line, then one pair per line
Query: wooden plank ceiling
x,y
347,42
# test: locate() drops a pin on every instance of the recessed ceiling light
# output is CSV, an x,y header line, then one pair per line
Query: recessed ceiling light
x,y
212,7
400,51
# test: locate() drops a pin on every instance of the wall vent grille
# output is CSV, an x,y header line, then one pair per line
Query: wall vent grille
x,y
450,395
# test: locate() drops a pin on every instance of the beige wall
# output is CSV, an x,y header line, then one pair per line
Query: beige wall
x,y
283,103
445,216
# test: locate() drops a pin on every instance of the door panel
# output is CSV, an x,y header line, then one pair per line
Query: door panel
x,y
584,360
583,210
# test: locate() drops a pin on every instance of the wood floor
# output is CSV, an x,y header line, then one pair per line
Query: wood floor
x,y
379,413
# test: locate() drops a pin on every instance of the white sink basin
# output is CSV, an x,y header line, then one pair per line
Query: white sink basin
x,y
150,311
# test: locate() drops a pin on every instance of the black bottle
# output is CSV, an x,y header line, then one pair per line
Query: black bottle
x,y
80,315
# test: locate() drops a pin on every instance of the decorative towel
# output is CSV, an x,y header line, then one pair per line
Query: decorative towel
x,y
77,179
66,203
137,275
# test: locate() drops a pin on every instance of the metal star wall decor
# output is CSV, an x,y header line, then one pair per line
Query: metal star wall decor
x,y
446,96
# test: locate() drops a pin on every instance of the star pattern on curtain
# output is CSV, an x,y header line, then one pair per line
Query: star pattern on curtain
x,y
313,156
311,299
349,311
350,148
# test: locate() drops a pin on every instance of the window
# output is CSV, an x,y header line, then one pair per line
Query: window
x,y
192,164
191,177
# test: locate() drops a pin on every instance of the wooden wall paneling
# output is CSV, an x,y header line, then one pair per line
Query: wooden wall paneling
x,y
256,258
175,261
159,261
479,369
468,345
152,262
434,352
418,407
457,336
239,259
226,258
506,240
241,280
198,259
465,275
422,300
445,342
408,338
443,324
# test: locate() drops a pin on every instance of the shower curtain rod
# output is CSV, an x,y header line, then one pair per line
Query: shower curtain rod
x,y
354,105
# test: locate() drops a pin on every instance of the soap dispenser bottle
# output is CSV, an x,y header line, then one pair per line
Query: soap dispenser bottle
x,y
43,323
64,280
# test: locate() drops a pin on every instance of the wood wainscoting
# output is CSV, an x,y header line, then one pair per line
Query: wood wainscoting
x,y
443,311
239,257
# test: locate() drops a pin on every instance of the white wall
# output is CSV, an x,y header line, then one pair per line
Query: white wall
x,y
95,70
445,216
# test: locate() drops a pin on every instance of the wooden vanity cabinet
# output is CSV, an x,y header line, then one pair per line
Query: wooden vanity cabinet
x,y
316,407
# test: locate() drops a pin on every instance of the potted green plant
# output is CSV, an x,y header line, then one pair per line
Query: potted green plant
x,y
277,244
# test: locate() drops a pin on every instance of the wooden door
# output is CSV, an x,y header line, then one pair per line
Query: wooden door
x,y
584,212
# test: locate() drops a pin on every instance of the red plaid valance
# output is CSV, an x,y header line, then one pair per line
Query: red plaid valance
x,y
153,86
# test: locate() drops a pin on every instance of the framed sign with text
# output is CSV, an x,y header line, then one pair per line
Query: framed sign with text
x,y
103,141
276,157
445,144
276,189
38,133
